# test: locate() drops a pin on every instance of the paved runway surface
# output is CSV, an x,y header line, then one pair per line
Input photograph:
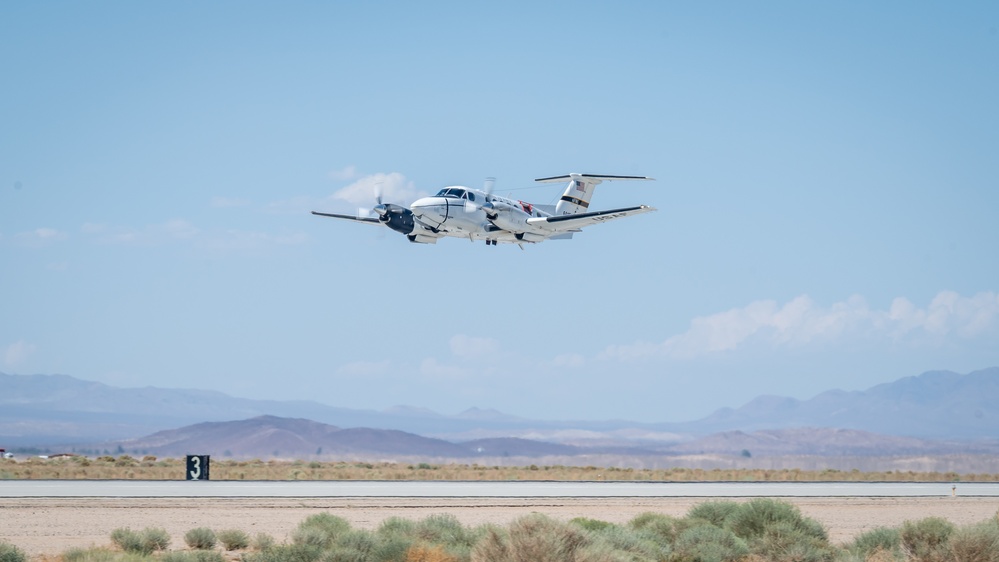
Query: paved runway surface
x,y
377,489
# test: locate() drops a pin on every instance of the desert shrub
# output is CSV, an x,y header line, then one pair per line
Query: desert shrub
x,y
90,555
976,543
154,538
715,512
656,524
751,519
626,543
392,548
881,538
707,543
353,545
926,540
233,539
10,553
201,538
321,529
287,553
590,524
427,553
785,541
397,526
444,529
533,537
262,541
130,541
193,556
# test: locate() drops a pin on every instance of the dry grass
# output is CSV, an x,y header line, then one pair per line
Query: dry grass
x,y
125,467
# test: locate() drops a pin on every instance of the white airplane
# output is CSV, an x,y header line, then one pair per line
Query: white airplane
x,y
462,212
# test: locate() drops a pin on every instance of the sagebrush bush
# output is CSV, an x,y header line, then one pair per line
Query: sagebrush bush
x,y
10,553
534,537
880,538
629,543
89,555
155,538
262,541
426,553
590,524
287,553
715,512
785,541
656,524
708,543
751,519
193,556
976,543
130,541
200,538
321,529
233,539
926,540
443,528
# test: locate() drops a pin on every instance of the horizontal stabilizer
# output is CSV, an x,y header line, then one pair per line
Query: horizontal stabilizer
x,y
579,220
599,177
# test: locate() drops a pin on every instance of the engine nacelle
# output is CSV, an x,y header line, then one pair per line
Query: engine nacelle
x,y
399,219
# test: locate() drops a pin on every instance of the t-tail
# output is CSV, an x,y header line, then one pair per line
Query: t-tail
x,y
577,195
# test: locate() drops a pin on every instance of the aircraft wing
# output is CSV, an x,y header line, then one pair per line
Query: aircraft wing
x,y
579,220
369,220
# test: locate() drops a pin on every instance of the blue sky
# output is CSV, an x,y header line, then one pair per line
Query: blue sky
x,y
826,185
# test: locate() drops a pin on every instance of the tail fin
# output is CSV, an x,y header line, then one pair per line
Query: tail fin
x,y
577,195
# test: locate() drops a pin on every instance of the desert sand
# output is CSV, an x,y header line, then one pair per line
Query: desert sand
x,y
49,526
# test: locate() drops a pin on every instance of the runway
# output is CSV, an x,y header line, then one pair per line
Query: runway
x,y
414,489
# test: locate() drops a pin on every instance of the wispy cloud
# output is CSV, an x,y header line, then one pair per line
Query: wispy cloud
x,y
394,188
801,322
39,237
17,353
470,347
347,173
431,368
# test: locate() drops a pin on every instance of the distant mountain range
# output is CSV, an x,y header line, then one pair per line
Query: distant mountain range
x,y
293,438
40,410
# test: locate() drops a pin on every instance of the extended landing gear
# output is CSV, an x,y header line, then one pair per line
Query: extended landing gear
x,y
488,242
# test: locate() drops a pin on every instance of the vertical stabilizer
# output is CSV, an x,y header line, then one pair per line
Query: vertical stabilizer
x,y
576,197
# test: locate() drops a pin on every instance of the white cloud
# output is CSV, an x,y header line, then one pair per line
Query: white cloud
x,y
569,360
39,236
17,352
470,347
394,188
346,174
802,322
434,369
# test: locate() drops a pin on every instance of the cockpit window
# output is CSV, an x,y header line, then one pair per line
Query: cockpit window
x,y
471,196
451,192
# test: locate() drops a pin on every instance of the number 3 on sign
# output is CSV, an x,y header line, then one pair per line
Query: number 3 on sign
x,y
197,467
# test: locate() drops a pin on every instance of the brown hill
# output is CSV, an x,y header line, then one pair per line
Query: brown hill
x,y
271,436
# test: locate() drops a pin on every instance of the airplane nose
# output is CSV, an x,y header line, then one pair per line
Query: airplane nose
x,y
430,208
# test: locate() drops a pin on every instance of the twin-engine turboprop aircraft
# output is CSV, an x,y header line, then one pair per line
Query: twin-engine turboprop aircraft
x,y
462,212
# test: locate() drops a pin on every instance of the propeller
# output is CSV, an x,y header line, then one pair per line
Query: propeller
x,y
487,186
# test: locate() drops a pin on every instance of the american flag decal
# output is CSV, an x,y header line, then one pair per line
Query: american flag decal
x,y
580,185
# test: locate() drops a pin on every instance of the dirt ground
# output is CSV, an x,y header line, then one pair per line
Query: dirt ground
x,y
49,526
